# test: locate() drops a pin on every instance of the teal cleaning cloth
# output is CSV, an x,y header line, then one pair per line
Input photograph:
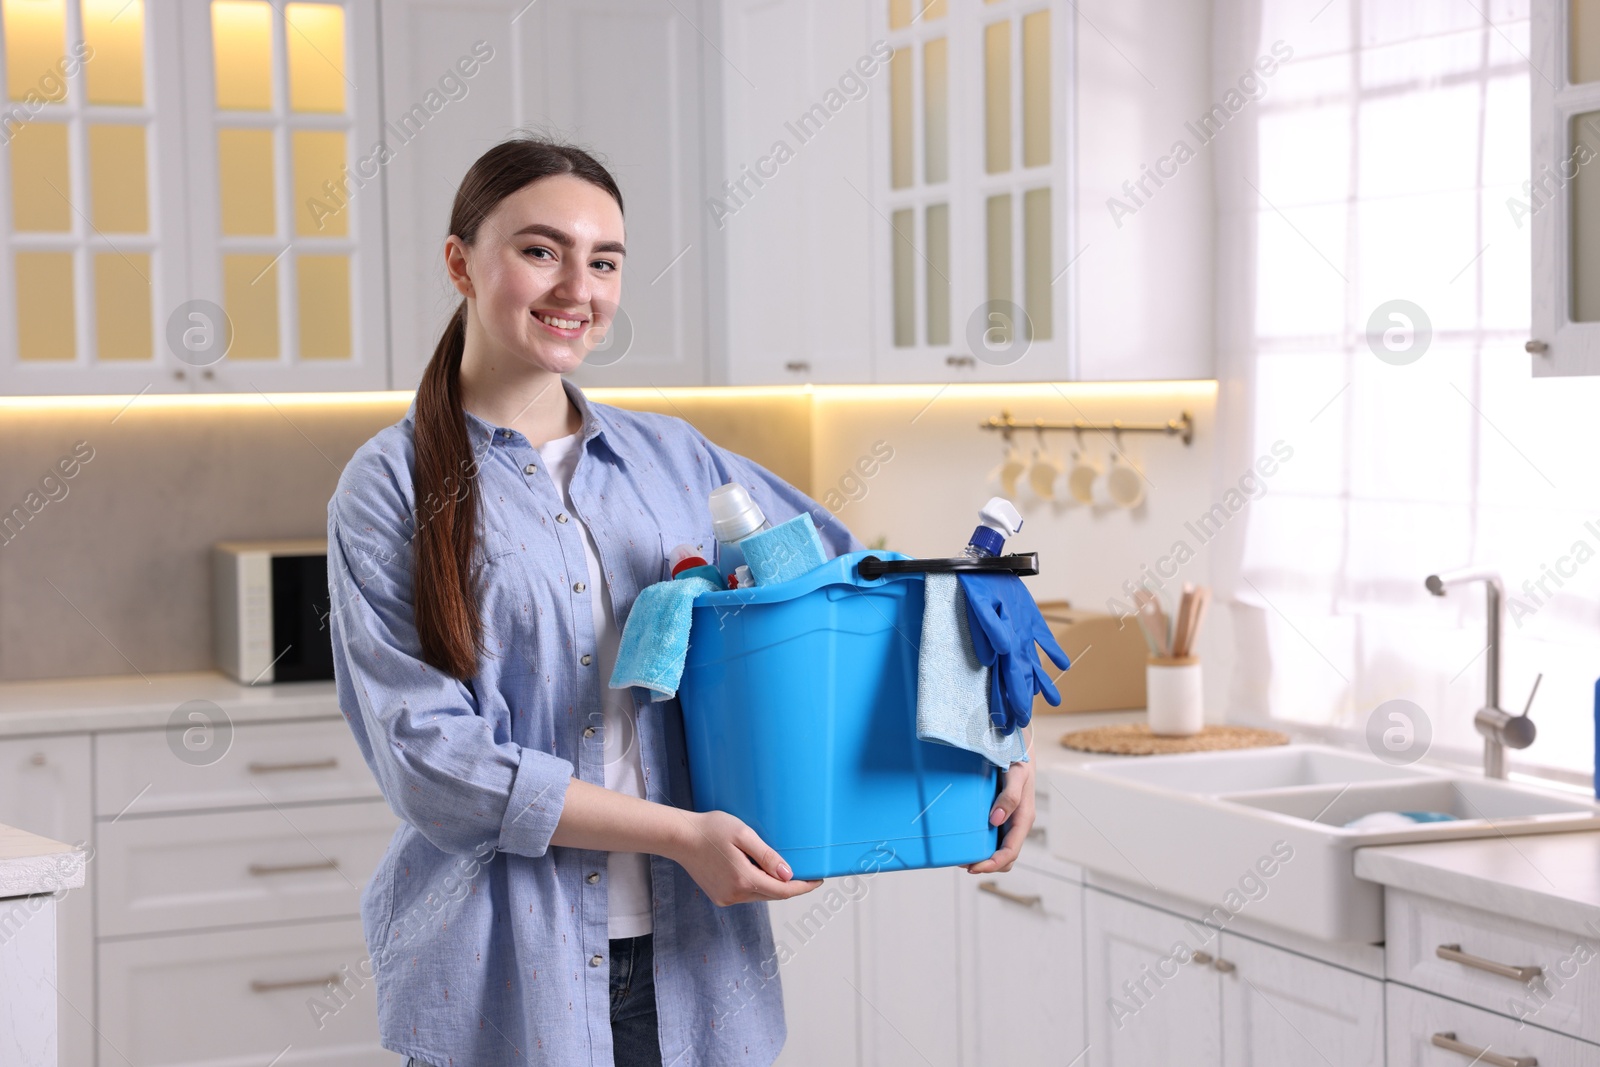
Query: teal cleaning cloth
x,y
655,639
952,684
786,551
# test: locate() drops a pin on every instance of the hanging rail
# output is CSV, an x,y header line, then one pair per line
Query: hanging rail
x,y
1182,426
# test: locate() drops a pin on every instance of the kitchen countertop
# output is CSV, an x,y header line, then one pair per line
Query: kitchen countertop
x,y
132,701
1549,879
30,864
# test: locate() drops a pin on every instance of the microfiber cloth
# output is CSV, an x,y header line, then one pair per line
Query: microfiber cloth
x,y
786,551
952,685
655,639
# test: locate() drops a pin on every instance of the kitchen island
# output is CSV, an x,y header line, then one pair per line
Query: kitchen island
x,y
34,871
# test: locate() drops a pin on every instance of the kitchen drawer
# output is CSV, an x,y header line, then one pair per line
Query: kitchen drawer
x,y
267,763
1416,1017
1036,854
241,997
180,872
1564,996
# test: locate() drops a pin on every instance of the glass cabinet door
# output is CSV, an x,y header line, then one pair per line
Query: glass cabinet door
x,y
1563,193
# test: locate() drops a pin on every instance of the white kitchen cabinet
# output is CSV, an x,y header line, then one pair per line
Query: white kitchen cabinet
x,y
1145,1006
815,938
28,1000
911,963
44,789
787,208
1424,1030
537,65
1023,935
1562,205
1280,1007
228,997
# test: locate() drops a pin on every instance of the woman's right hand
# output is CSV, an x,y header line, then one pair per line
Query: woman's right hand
x,y
731,864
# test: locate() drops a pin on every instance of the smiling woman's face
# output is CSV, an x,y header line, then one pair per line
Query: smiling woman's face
x,y
550,251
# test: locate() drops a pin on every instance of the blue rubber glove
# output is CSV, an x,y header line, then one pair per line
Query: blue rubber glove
x,y
1005,625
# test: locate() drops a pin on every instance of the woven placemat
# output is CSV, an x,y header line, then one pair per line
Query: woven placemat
x,y
1135,739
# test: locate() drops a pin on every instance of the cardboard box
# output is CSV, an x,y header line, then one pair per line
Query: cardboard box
x,y
1108,660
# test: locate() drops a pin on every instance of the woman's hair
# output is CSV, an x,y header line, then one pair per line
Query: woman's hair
x,y
445,587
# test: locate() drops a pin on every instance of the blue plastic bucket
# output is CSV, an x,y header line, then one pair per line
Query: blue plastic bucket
x,y
800,710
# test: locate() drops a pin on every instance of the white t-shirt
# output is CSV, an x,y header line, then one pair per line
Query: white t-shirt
x,y
628,873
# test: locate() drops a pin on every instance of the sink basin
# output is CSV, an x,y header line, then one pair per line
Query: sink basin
x,y
1209,826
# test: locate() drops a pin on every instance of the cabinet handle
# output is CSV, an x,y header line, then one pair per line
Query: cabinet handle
x,y
37,759
1454,954
799,366
1202,958
1536,348
310,765
1447,1040
961,361
1015,898
1224,967
261,870
258,986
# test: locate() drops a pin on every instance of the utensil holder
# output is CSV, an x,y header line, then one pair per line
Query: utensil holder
x,y
1174,697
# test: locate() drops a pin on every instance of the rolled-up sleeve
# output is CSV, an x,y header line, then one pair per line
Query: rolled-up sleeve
x,y
436,759
779,501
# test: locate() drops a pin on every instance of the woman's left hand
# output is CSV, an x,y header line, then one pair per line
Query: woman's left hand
x,y
1015,803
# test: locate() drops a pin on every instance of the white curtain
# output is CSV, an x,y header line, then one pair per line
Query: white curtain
x,y
1381,162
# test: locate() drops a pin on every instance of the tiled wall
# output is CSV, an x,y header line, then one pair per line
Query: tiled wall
x,y
112,576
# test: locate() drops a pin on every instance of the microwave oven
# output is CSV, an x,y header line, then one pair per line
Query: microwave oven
x,y
270,607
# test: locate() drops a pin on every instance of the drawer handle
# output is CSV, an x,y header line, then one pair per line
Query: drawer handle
x,y
310,765
1448,1041
260,870
258,986
1454,954
1015,898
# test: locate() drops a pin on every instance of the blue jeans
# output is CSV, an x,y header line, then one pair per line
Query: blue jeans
x,y
633,1005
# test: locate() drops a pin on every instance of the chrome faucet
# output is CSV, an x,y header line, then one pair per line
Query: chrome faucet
x,y
1500,729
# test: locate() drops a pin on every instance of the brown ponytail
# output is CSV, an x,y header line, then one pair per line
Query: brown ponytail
x,y
445,475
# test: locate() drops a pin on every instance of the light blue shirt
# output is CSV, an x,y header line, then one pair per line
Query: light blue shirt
x,y
489,944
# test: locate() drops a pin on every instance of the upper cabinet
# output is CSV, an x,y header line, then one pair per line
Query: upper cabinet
x,y
1564,194
181,208
624,81
242,195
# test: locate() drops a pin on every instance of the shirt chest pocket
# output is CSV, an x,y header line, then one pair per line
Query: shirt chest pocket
x,y
703,543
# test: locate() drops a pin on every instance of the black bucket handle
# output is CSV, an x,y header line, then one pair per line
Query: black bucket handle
x,y
870,567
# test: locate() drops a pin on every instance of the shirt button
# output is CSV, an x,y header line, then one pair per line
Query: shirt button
x,y
586,659
594,876
578,587
529,469
588,731
561,517
596,960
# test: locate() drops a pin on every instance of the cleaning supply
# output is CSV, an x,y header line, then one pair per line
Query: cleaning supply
x,y
740,578
1004,624
655,639
687,561
784,551
953,688
734,516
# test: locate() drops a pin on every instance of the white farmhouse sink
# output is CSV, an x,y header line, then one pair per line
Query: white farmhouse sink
x,y
1208,826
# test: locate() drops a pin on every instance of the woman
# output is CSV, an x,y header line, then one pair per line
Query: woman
x,y
550,896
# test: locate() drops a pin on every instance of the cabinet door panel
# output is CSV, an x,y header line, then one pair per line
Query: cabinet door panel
x,y
910,966
1415,1017
1144,1006
815,937
1279,1007
44,789
1026,979
226,998
183,872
